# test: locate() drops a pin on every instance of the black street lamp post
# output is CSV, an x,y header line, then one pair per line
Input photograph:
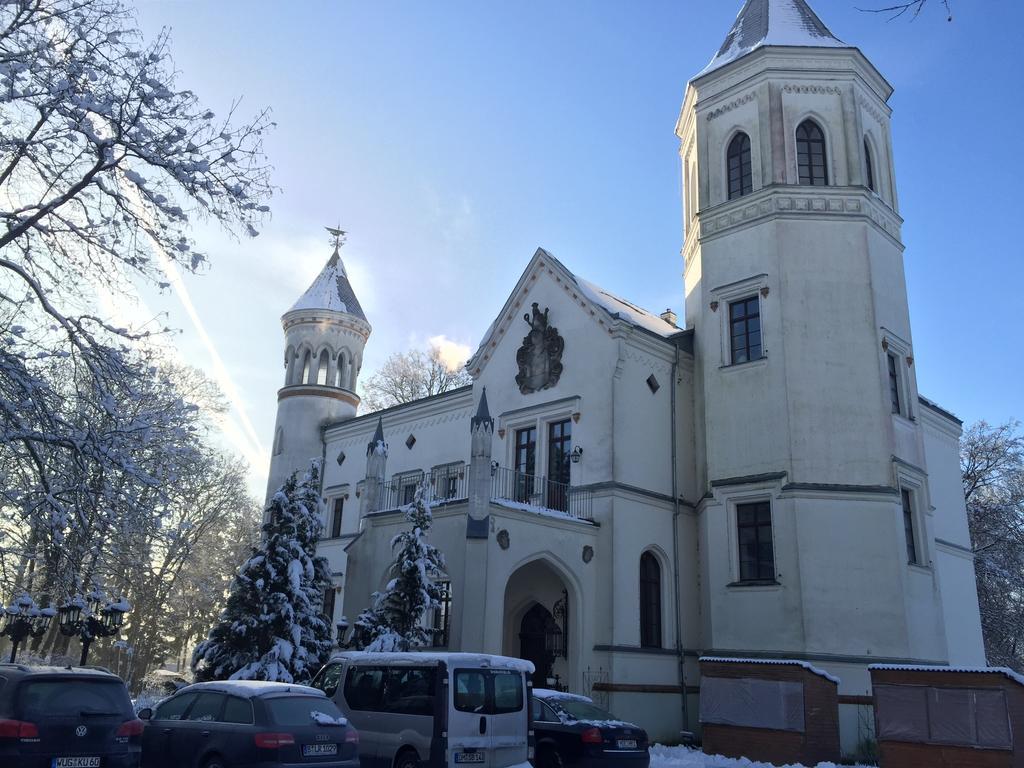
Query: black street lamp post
x,y
22,620
97,622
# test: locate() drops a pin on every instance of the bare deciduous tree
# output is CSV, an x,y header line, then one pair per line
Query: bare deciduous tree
x,y
412,375
914,8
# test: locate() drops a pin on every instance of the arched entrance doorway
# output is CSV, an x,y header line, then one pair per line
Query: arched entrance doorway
x,y
537,622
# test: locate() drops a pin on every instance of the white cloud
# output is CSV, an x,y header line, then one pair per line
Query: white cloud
x,y
453,354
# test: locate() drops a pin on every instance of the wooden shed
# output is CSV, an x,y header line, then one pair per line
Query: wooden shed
x,y
948,717
773,710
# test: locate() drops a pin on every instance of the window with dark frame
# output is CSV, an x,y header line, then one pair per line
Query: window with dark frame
x,y
908,525
441,618
739,166
336,514
869,166
329,603
894,383
745,330
526,463
559,464
810,154
650,601
754,528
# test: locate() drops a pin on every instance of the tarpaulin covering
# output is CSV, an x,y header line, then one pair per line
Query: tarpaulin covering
x,y
750,703
970,717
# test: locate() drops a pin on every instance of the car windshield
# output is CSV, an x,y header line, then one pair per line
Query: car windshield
x,y
74,698
304,710
578,709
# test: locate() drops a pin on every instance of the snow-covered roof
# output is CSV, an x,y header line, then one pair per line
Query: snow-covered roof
x,y
773,22
547,693
1016,677
331,290
774,662
618,307
251,688
450,659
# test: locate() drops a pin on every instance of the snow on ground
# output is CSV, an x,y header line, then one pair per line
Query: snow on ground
x,y
684,757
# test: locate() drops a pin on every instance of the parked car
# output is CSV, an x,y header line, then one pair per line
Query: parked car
x,y
66,717
571,730
436,710
235,724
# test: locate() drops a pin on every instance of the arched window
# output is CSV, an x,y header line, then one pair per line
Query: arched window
x,y
740,179
650,601
321,368
810,154
343,370
289,366
307,361
869,166
354,377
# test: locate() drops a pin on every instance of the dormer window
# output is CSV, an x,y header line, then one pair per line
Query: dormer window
x,y
738,160
810,154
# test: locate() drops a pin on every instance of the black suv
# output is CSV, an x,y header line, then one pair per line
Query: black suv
x,y
66,717
244,723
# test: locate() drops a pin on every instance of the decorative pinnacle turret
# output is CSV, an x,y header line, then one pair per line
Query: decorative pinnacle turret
x,y
377,443
483,415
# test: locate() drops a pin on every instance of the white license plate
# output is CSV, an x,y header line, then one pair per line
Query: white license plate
x,y
75,762
469,757
318,750
626,743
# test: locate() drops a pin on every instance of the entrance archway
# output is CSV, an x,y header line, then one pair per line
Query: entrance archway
x,y
538,623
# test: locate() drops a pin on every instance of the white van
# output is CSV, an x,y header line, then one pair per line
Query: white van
x,y
434,710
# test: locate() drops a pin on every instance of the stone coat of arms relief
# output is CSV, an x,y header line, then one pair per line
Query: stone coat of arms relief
x,y
540,357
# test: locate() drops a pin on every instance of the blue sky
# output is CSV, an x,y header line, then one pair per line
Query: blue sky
x,y
453,138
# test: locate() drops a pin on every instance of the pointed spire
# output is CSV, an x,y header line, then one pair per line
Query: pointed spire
x,y
378,437
773,22
483,414
331,289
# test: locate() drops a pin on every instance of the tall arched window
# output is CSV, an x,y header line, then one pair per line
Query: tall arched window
x,y
869,166
307,361
738,156
289,366
650,601
321,368
343,370
810,154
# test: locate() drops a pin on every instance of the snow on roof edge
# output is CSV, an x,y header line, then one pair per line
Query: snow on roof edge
x,y
419,657
774,662
1015,676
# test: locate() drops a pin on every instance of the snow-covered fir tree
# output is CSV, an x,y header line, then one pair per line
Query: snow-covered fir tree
x,y
273,627
394,620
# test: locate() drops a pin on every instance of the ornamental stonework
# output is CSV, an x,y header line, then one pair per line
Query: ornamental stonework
x,y
540,356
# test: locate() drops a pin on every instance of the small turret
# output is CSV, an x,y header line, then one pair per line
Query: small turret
x,y
481,430
376,470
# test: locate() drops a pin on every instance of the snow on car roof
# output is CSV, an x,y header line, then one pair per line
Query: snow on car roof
x,y
428,657
252,688
547,693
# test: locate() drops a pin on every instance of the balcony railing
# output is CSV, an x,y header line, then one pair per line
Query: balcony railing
x,y
541,493
446,486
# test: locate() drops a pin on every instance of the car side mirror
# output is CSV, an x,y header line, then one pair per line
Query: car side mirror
x,y
146,713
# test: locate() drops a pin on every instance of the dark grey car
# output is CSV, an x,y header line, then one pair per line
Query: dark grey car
x,y
246,724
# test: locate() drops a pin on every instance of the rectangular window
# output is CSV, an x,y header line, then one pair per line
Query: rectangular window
x,y
408,493
336,512
329,603
410,691
559,463
745,330
894,383
526,463
488,692
363,687
442,615
754,526
908,525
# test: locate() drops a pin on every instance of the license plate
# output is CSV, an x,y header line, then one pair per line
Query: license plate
x,y
469,757
75,762
626,743
318,750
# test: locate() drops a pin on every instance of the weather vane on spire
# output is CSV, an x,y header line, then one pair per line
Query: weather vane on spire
x,y
337,236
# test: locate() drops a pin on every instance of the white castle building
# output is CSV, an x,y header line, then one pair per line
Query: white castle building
x,y
615,494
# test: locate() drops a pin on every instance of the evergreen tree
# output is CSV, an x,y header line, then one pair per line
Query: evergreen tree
x,y
273,627
393,622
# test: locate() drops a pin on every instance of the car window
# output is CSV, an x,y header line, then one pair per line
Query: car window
x,y
328,679
542,713
302,710
64,698
470,690
363,687
207,708
508,692
237,710
409,690
174,708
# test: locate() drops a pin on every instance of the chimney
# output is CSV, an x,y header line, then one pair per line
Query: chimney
x,y
669,316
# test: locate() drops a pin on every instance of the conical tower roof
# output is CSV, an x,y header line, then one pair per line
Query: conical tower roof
x,y
331,290
773,22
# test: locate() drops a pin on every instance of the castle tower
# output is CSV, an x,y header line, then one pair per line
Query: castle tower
x,y
325,333
815,530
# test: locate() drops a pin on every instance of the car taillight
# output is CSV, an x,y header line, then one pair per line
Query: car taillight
x,y
130,728
18,729
352,736
592,736
273,740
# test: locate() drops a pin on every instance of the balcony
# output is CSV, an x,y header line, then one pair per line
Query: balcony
x,y
541,494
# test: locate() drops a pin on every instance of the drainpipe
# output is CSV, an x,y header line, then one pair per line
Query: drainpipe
x,y
676,510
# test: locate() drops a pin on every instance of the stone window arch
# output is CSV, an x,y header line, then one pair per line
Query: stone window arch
x,y
344,369
739,170
650,601
323,364
811,154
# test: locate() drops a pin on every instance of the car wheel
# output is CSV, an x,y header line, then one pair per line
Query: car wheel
x,y
407,759
215,762
551,758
